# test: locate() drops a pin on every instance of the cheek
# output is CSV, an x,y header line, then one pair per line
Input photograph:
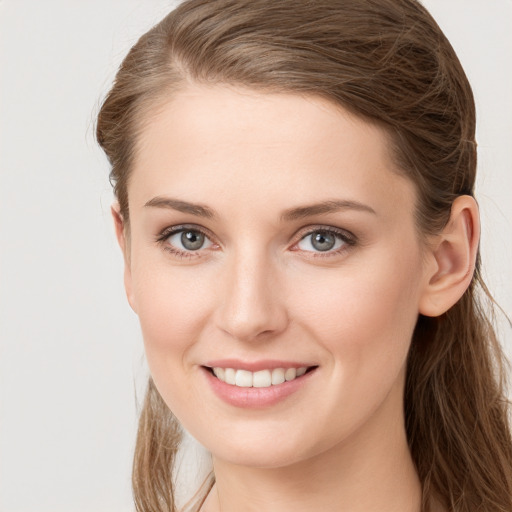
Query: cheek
x,y
363,313
172,305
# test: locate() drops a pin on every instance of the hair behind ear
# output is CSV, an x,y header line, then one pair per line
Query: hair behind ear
x,y
456,408
158,438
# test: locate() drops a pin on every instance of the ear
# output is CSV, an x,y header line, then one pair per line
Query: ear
x,y
451,260
124,243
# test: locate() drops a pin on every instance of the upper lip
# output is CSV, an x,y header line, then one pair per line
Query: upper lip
x,y
254,366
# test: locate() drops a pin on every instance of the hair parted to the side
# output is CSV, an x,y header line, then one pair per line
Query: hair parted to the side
x,y
389,62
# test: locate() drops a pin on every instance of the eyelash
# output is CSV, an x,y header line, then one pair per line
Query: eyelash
x,y
348,239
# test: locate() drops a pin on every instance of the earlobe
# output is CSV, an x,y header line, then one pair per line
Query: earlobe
x,y
122,238
452,259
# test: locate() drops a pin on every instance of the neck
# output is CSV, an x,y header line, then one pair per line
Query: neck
x,y
371,471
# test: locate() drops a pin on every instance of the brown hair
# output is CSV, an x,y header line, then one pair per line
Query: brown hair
x,y
387,61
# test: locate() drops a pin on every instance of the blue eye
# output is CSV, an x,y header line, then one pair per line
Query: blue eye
x,y
188,240
322,241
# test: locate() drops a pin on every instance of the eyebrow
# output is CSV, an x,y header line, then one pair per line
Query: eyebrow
x,y
325,207
181,206
291,214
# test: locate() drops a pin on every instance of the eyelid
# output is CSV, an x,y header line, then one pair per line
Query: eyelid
x,y
172,230
308,230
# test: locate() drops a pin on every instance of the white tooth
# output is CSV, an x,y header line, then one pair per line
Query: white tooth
x,y
262,379
230,376
301,371
290,373
220,374
243,379
277,376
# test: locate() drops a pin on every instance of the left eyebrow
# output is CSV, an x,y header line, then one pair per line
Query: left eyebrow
x,y
325,207
181,206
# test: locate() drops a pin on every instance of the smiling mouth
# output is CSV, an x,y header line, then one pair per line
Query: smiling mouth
x,y
259,379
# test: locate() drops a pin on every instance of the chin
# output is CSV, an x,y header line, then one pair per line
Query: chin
x,y
259,457
263,449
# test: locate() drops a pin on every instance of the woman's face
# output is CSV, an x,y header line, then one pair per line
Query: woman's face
x,y
270,234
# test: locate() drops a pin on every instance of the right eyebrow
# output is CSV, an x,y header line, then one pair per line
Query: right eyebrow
x,y
181,206
325,207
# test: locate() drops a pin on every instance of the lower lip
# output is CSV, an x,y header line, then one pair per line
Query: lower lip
x,y
255,398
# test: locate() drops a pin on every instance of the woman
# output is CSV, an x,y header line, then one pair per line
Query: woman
x,y
294,185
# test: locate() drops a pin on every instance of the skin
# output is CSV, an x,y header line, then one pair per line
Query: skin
x,y
258,289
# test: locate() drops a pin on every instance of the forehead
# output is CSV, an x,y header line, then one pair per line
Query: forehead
x,y
224,143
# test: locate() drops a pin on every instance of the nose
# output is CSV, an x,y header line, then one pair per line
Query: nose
x,y
251,304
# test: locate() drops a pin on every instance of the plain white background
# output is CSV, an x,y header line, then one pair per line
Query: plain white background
x,y
71,356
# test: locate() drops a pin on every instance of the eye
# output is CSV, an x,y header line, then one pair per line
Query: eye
x,y
323,240
184,241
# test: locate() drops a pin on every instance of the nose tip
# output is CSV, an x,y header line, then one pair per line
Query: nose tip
x,y
252,307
